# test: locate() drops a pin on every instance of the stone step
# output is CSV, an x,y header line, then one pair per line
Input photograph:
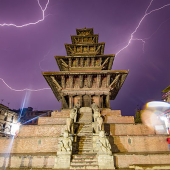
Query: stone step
x,y
84,134
84,163
85,130
92,155
85,147
85,143
84,167
84,159
84,137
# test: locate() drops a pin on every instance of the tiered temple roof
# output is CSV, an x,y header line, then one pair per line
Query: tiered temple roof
x,y
85,73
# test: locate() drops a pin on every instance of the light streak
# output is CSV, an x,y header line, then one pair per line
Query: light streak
x,y
32,23
23,104
33,118
26,89
132,34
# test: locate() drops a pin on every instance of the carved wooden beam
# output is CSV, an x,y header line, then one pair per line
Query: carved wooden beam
x,y
63,83
97,51
93,41
107,59
63,63
71,50
114,81
56,83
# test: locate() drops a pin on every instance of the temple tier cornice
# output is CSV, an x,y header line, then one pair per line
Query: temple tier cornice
x,y
86,82
85,73
85,49
78,63
81,39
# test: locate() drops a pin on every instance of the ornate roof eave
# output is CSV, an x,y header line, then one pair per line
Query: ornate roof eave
x,y
78,36
64,66
100,46
83,44
71,56
56,91
85,29
166,89
84,72
114,87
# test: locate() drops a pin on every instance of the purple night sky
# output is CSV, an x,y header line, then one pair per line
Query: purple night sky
x,y
26,52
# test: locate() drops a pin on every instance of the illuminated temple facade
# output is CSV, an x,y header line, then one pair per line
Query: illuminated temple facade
x,y
85,83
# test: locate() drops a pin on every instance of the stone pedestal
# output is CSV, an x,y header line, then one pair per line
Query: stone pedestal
x,y
105,161
62,161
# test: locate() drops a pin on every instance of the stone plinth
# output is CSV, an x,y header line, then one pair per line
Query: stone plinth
x,y
105,161
62,161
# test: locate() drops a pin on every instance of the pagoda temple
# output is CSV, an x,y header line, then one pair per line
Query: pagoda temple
x,y
86,133
85,73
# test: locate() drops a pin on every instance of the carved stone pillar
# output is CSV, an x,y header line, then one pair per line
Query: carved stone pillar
x,y
92,62
99,101
108,80
69,62
71,81
70,102
100,61
81,81
81,62
62,102
63,82
77,62
81,100
88,62
108,101
89,82
98,81
90,99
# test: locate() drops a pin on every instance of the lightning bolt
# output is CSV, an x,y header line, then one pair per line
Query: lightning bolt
x,y
32,23
26,89
145,15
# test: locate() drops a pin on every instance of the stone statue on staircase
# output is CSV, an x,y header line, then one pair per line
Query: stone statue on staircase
x,y
99,123
69,125
103,144
73,114
65,143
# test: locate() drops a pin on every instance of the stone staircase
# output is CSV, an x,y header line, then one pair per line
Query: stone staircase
x,y
84,157
84,162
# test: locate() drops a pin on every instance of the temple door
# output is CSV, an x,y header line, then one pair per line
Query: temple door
x,y
86,101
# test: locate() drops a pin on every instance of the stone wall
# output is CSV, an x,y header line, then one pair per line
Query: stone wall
x,y
118,119
28,161
123,161
51,120
47,161
109,112
128,129
65,113
139,143
29,145
40,131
